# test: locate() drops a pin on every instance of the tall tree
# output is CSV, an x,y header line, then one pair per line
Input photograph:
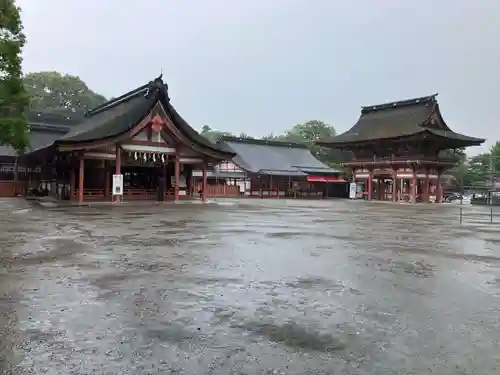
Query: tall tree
x,y
456,155
309,133
213,135
57,92
13,97
478,171
245,136
495,158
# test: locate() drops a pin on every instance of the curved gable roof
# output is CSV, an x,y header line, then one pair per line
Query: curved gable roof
x,y
121,114
400,119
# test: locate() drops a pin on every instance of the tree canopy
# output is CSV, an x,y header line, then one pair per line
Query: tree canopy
x,y
57,92
309,133
495,158
213,135
13,97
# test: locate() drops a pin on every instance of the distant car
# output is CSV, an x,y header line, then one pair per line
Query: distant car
x,y
452,198
458,198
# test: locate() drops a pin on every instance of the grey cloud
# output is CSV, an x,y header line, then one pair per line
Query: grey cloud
x,y
260,66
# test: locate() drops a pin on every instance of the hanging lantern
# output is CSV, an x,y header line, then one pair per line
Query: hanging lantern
x,y
135,155
145,156
163,158
154,158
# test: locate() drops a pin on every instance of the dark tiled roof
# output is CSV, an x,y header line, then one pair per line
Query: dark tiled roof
x,y
401,119
274,158
45,128
53,117
40,136
123,113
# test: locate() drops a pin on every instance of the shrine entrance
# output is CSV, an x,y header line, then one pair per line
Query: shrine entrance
x,y
135,147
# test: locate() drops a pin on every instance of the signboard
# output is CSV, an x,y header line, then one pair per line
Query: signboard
x,y
352,190
117,184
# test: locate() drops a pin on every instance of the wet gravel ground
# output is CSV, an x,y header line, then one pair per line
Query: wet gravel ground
x,y
249,287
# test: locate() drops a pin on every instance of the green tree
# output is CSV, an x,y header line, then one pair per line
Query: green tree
x,y
311,132
245,136
213,135
495,158
456,155
57,92
460,172
273,137
478,170
13,97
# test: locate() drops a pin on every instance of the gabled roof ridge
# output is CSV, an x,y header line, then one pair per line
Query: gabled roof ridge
x,y
144,89
399,104
49,127
263,142
51,116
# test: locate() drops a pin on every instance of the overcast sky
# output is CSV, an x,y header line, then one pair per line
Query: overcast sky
x,y
261,66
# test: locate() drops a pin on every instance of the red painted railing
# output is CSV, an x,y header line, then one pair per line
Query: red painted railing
x,y
91,195
140,194
219,190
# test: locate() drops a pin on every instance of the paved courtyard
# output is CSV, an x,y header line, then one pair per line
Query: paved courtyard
x,y
249,287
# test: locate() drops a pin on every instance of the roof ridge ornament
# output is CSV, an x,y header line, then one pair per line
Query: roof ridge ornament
x,y
399,103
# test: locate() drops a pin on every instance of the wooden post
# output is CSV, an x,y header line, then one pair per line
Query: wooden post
x,y
204,183
177,176
81,176
369,184
353,173
16,169
394,185
118,167
164,179
427,187
72,181
439,189
107,179
413,191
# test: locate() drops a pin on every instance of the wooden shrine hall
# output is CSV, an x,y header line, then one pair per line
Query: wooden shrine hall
x,y
137,139
397,150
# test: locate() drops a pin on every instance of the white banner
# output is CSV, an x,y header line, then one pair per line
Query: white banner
x,y
117,184
352,190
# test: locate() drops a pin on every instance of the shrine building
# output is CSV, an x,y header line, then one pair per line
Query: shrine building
x,y
396,150
138,138
276,169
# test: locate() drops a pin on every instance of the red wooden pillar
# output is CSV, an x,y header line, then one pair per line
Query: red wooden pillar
x,y
394,185
177,177
439,189
81,176
118,167
413,192
427,187
72,181
106,180
369,184
165,179
204,183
